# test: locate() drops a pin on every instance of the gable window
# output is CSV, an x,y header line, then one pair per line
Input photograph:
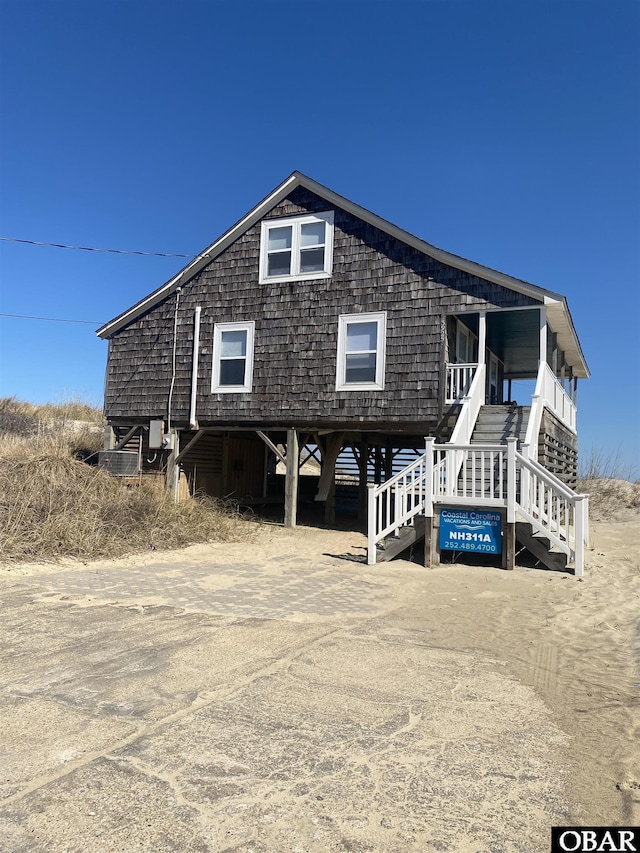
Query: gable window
x,y
232,357
361,352
296,248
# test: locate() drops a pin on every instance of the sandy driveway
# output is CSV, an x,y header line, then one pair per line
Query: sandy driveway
x,y
283,696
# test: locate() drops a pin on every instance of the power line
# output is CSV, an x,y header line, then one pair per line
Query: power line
x,y
51,319
93,249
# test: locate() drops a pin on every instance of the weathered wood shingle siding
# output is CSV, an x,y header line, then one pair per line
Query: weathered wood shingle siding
x,y
296,332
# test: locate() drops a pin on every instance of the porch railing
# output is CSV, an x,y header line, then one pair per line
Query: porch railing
x,y
481,475
548,394
557,399
459,379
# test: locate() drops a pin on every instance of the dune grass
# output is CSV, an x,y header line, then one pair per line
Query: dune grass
x,y
18,417
54,505
612,485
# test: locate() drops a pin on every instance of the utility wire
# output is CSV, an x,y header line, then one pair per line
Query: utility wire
x,y
52,319
92,249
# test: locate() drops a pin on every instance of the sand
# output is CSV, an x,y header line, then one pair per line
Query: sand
x,y
349,708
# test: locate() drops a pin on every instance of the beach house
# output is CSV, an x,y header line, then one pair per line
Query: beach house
x,y
315,332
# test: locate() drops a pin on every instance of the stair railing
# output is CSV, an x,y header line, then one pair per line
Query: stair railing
x,y
489,475
392,504
554,510
548,394
471,405
530,443
463,430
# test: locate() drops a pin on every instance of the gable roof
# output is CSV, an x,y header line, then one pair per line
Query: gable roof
x,y
556,304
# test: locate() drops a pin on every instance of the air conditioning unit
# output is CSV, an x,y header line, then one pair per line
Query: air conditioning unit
x,y
120,463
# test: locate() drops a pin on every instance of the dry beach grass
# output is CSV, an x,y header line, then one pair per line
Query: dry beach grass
x,y
54,505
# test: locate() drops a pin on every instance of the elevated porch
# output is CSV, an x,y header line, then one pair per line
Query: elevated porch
x,y
513,359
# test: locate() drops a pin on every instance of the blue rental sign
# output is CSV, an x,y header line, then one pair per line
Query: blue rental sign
x,y
471,530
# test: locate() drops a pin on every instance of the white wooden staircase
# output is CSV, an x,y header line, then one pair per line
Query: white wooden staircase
x,y
487,464
495,424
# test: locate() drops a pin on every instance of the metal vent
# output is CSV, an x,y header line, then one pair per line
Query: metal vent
x,y
120,463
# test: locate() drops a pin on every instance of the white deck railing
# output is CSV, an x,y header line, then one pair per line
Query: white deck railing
x,y
459,379
481,475
470,472
548,394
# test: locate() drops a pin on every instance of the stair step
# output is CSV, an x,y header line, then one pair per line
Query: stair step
x,y
540,547
487,433
495,424
405,538
501,424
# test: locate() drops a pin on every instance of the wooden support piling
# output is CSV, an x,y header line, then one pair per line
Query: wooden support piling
x,y
362,480
509,545
291,481
330,452
428,541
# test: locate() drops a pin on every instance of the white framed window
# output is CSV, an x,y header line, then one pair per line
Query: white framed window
x,y
298,247
232,357
361,351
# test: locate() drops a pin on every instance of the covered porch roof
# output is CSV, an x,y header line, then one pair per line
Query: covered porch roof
x,y
514,337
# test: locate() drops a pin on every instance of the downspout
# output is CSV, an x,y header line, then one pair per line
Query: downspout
x,y
193,422
109,435
173,359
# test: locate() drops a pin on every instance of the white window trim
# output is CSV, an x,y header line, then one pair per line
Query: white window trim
x,y
219,328
344,320
296,222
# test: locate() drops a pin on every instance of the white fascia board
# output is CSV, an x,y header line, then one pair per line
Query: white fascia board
x,y
561,323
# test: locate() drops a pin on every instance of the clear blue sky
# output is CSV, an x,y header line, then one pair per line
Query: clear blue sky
x,y
505,132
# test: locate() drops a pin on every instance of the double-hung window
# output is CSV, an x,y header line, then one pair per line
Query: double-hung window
x,y
232,357
296,248
361,352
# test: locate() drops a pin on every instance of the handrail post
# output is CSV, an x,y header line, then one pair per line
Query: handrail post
x,y
525,483
450,471
428,477
511,480
371,524
579,532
